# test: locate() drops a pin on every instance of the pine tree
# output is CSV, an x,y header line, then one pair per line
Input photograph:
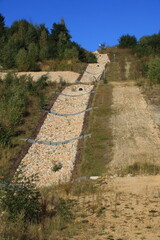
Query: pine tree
x,y
43,39
33,56
22,61
2,26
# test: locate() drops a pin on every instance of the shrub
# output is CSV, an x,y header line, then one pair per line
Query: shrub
x,y
21,197
141,168
5,135
57,167
154,71
62,81
41,82
41,99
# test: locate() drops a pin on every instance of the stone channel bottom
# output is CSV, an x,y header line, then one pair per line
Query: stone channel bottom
x,y
41,159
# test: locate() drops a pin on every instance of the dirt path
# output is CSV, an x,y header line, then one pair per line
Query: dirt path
x,y
135,135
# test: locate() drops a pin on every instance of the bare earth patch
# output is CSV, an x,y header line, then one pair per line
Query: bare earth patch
x,y
127,208
135,134
68,76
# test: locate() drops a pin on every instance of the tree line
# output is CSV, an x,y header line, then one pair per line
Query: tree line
x,y
147,45
148,51
24,45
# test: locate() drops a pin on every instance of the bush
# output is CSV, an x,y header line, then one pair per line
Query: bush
x,y
154,71
14,100
21,198
127,41
5,135
41,82
57,167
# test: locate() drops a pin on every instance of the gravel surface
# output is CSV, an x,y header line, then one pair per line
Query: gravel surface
x,y
44,160
68,76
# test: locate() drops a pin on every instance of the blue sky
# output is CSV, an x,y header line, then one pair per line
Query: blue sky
x,y
90,22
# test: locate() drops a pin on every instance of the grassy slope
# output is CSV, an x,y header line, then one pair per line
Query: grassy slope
x,y
97,149
24,130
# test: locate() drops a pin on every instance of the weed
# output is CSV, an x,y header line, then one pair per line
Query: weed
x,y
141,168
57,167
62,81
83,188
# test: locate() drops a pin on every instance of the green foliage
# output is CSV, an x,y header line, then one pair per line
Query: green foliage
x,y
84,187
41,82
148,45
9,52
21,197
71,53
22,61
2,25
33,57
62,82
14,100
141,168
57,167
5,135
154,71
63,209
127,41
23,45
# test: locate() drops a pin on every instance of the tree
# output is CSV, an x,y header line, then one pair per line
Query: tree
x,y
43,39
59,38
57,29
8,54
22,61
61,45
149,45
2,26
33,56
127,41
71,53
31,35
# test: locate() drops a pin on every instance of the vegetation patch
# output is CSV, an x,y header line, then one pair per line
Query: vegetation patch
x,y
141,169
97,150
21,104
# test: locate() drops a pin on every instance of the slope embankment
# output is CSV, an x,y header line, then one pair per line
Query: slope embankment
x,y
54,163
136,136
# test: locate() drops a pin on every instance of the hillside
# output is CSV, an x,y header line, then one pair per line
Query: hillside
x,y
124,151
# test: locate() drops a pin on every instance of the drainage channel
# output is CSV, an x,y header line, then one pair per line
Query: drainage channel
x,y
52,154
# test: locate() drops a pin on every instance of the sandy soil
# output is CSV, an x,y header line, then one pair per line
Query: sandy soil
x,y
135,134
122,211
68,76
